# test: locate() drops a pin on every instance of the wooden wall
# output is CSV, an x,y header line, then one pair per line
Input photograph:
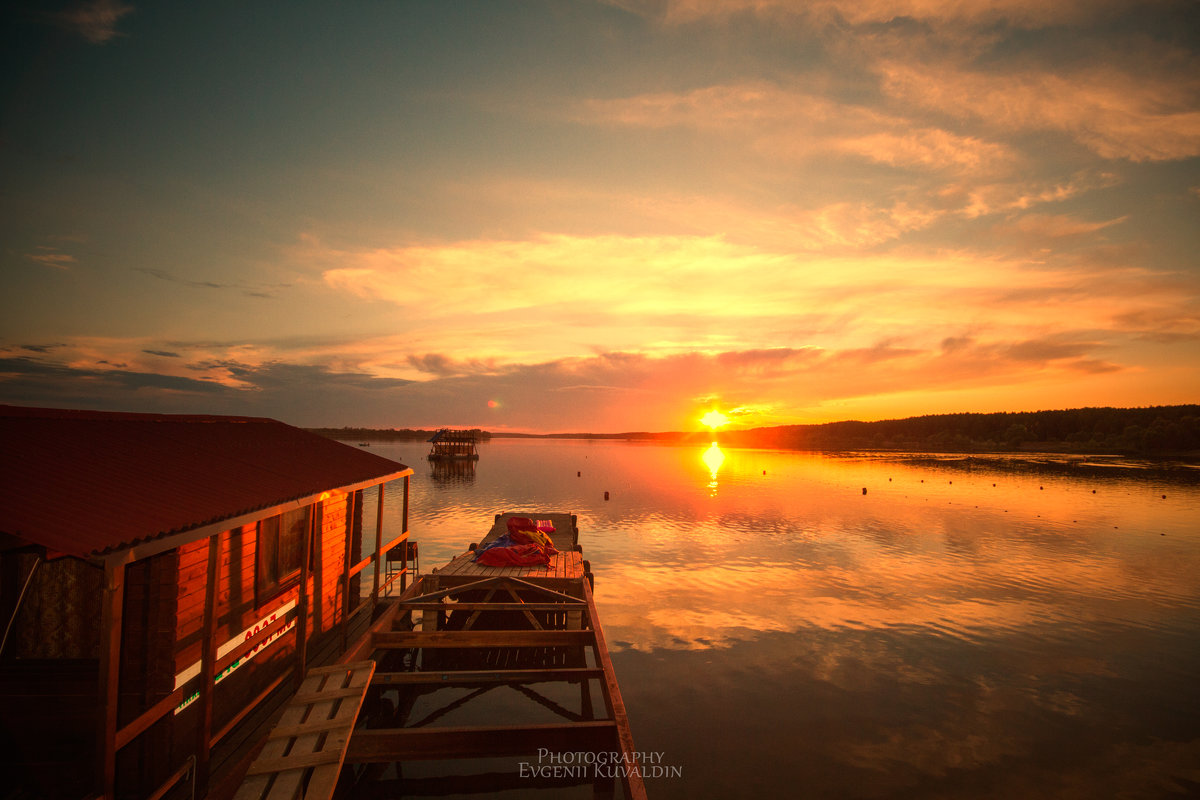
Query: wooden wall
x,y
238,607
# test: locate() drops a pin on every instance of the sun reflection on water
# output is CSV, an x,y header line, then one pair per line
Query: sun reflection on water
x,y
713,458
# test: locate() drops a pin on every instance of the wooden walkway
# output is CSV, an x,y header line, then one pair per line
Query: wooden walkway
x,y
458,630
304,753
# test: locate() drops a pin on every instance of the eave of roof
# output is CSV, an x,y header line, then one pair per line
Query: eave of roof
x,y
90,483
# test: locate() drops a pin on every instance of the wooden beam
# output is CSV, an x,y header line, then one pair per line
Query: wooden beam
x,y
473,676
225,661
612,697
348,556
480,606
149,717
155,546
249,708
208,662
364,646
112,604
392,640
302,600
415,744
377,555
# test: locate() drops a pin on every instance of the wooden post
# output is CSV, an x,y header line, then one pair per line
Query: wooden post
x,y
345,625
378,547
429,618
404,575
302,602
208,661
112,602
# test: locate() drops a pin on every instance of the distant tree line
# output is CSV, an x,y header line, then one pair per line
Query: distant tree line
x,y
383,434
1156,430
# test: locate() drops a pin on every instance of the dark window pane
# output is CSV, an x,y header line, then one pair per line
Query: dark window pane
x,y
268,552
293,529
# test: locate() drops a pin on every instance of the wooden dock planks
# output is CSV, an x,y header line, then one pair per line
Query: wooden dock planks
x,y
305,751
563,566
544,611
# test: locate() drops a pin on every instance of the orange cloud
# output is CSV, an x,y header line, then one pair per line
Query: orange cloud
x,y
1027,13
796,125
1118,115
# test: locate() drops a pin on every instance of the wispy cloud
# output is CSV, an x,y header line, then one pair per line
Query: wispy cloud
x,y
247,290
788,123
1030,13
1116,114
96,20
49,256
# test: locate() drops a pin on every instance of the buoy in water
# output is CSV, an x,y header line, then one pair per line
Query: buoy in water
x,y
606,495
578,474
864,490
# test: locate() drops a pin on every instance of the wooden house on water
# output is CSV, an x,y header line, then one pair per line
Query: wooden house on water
x,y
454,445
165,583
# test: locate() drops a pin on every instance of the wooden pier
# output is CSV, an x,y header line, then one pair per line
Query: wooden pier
x,y
501,667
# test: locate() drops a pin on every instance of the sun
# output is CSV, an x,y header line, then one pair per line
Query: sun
x,y
714,419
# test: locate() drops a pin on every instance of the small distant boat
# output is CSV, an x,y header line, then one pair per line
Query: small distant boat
x,y
452,445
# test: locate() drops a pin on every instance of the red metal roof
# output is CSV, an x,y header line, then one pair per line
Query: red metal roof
x,y
90,482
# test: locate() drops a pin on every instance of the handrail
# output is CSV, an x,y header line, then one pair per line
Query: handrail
x,y
150,716
188,766
238,717
227,660
360,566
159,710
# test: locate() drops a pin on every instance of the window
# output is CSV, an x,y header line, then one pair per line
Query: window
x,y
280,550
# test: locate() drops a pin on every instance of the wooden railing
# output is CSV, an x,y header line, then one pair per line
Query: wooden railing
x,y
116,738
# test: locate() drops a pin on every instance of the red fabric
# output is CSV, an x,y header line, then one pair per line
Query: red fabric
x,y
516,556
521,524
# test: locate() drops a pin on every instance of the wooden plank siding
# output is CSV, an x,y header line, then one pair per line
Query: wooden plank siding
x,y
237,604
238,610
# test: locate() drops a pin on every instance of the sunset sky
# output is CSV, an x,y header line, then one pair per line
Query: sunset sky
x,y
600,216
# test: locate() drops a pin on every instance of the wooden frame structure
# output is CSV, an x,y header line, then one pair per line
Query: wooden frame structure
x,y
447,644
113,738
160,515
454,445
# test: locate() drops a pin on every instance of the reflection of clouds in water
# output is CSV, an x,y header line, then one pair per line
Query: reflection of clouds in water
x,y
860,714
997,594
941,639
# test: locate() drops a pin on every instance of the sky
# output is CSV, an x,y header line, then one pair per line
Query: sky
x,y
599,216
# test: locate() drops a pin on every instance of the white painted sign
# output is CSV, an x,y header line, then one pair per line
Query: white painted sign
x,y
191,672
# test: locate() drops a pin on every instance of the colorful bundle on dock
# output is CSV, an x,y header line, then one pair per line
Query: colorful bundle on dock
x,y
526,543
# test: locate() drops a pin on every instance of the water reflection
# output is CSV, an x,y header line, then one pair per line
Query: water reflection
x,y
452,471
713,458
964,629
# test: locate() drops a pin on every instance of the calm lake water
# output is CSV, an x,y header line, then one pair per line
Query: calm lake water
x,y
967,628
